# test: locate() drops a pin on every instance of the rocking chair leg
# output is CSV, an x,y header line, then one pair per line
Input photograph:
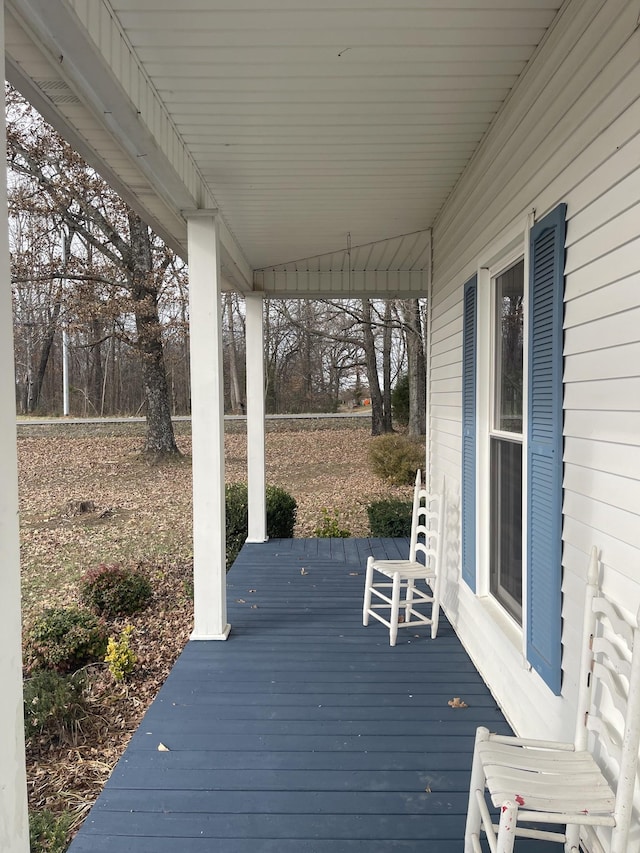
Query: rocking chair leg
x,y
572,844
367,592
435,608
408,600
507,829
395,608
474,818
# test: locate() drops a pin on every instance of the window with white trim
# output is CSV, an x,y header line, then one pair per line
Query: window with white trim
x,y
522,425
506,439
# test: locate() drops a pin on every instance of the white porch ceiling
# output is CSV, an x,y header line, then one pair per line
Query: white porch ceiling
x,y
302,121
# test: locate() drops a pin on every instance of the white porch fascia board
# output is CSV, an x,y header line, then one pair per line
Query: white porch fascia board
x,y
398,266
384,284
75,58
47,109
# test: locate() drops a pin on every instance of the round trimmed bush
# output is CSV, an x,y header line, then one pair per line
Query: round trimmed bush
x,y
65,639
282,510
236,519
281,516
115,590
390,518
396,458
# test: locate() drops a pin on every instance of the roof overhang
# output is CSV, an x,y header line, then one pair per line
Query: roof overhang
x,y
305,127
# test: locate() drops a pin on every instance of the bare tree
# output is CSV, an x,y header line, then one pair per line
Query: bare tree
x,y
55,183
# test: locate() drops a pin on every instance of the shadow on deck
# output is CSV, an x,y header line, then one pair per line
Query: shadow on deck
x,y
304,732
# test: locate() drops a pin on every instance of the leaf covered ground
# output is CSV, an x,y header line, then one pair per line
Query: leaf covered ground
x,y
87,497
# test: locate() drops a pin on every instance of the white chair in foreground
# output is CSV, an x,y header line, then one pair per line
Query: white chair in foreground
x,y
400,576
562,783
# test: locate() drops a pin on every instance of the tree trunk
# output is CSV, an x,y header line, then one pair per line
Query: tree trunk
x,y
416,367
235,397
96,370
160,439
308,357
45,352
386,369
377,418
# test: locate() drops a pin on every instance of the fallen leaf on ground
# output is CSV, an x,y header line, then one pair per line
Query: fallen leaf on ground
x,y
457,702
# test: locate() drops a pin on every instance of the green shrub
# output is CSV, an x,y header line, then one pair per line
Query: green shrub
x,y
396,458
64,639
282,510
114,590
49,832
281,516
390,518
236,519
53,703
329,527
400,401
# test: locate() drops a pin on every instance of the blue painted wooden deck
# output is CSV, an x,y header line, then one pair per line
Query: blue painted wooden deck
x,y
304,732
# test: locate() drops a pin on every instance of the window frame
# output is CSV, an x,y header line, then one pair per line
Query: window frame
x,y
503,255
497,436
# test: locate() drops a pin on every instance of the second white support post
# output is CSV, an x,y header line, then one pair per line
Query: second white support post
x,y
256,468
207,428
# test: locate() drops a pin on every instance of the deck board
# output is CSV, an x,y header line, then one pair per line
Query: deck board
x,y
304,732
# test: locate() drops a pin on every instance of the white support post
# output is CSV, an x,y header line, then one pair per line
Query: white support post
x,y
14,820
207,428
256,474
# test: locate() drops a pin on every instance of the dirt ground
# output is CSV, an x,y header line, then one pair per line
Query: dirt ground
x,y
140,514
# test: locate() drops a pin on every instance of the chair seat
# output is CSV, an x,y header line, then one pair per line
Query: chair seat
x,y
546,780
405,568
542,783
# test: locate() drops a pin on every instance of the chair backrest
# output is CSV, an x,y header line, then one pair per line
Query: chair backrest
x,y
609,694
426,525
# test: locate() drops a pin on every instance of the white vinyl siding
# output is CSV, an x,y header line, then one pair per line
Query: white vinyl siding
x,y
569,133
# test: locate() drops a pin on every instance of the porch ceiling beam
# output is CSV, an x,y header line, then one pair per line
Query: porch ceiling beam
x,y
47,109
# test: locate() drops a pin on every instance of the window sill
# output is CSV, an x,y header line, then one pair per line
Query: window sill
x,y
506,625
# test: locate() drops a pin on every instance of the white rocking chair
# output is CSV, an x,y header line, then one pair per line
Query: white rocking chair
x,y
561,783
401,575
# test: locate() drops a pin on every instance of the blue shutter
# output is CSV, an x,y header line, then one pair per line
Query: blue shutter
x,y
469,360
544,448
